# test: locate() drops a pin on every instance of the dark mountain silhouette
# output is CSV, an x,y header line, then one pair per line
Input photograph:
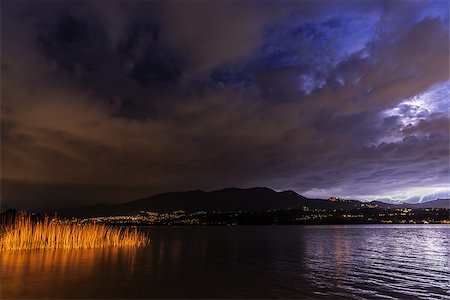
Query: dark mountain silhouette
x,y
229,199
233,199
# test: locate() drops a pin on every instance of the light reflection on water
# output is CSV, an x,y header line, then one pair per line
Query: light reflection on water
x,y
52,273
382,262
359,262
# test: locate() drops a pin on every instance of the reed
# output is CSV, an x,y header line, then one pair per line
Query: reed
x,y
26,234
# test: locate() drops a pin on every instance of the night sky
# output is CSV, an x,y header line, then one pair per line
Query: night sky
x,y
106,101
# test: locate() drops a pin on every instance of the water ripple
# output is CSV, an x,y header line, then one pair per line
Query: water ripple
x,y
291,262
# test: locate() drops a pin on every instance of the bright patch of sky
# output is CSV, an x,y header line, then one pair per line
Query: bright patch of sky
x,y
349,35
414,194
309,83
411,111
411,195
323,42
438,9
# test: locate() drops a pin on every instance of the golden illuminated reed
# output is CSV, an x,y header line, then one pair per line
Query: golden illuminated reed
x,y
26,234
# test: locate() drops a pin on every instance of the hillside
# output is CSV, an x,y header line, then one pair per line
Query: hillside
x,y
235,199
229,199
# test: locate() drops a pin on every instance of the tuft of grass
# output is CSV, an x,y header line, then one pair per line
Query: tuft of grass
x,y
26,234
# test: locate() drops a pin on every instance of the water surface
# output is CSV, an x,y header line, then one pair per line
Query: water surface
x,y
296,262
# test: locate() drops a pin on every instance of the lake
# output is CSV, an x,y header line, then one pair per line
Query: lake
x,y
296,262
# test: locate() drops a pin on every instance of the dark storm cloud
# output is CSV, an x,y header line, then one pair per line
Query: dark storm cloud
x,y
142,97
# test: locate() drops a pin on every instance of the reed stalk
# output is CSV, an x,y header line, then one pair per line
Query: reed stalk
x,y
27,234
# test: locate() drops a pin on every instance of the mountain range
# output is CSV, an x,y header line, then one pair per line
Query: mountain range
x,y
235,199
